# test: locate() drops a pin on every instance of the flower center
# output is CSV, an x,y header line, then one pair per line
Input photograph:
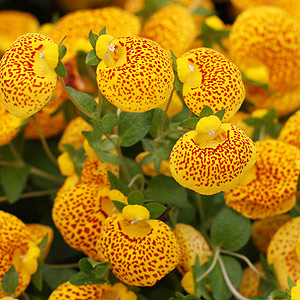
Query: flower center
x,y
188,73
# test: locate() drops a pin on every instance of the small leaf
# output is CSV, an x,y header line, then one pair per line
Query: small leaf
x,y
13,181
101,269
191,122
85,266
203,11
61,70
155,209
102,31
10,281
206,112
119,205
117,184
136,197
62,51
37,278
55,277
77,156
107,123
111,158
220,114
291,283
81,278
150,7
93,38
43,243
147,145
92,59
147,159
178,85
278,294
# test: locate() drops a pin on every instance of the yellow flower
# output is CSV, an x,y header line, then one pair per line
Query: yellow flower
x,y
187,282
192,243
141,251
270,187
214,159
79,213
295,291
165,28
209,78
27,75
128,80
290,132
65,164
76,26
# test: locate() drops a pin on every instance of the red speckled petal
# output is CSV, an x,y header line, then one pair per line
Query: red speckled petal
x,y
290,132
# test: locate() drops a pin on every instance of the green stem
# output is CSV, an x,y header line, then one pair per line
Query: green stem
x,y
64,266
262,133
99,106
74,101
32,194
163,119
44,142
137,176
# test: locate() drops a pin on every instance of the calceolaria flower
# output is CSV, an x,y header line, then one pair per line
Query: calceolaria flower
x,y
270,187
141,251
165,28
283,252
27,74
79,214
68,291
212,158
19,248
135,74
210,79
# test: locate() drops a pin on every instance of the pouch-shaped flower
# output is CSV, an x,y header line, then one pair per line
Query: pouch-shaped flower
x,y
141,251
209,78
212,158
27,74
270,187
135,73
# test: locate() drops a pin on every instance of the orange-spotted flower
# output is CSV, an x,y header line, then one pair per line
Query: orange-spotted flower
x,y
192,243
209,78
270,187
149,169
141,251
290,132
252,35
212,158
68,291
165,28
135,73
263,230
283,252
27,74
76,26
79,214
19,248
14,24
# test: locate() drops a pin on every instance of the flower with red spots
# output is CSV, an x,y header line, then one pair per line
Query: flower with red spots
x,y
270,187
79,214
212,158
210,79
68,291
141,251
19,248
135,73
27,74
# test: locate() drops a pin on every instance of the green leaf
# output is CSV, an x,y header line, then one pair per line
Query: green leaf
x,y
230,230
136,197
220,114
61,70
166,190
13,181
278,294
191,122
92,59
203,11
156,121
107,123
217,282
55,277
150,7
155,209
77,156
133,169
62,51
119,205
253,121
85,265
10,281
291,283
178,85
112,158
206,112
93,38
81,278
147,159
147,145
133,127
37,278
102,31
179,296
117,184
85,101
101,269
43,243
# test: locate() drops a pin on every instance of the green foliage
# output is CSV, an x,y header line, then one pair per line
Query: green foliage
x,y
92,59
119,205
179,296
250,82
191,122
155,209
230,230
156,121
77,157
178,85
206,111
203,11
61,70
150,7
10,281
55,277
117,184
136,197
93,38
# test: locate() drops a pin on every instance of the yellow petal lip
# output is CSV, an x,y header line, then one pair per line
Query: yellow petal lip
x,y
135,212
208,124
50,53
103,45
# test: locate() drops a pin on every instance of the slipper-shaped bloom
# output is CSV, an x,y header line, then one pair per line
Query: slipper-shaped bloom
x,y
209,78
76,26
290,132
263,230
79,214
68,291
165,28
270,187
141,251
283,252
135,74
212,158
192,244
14,24
27,74
19,248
